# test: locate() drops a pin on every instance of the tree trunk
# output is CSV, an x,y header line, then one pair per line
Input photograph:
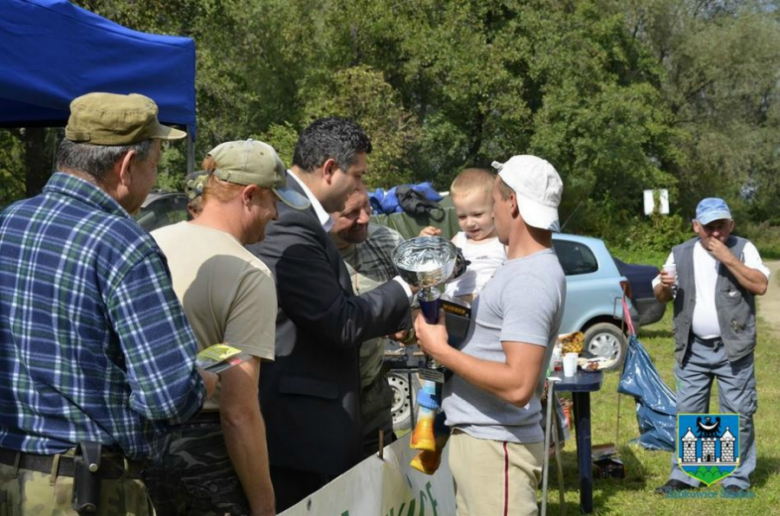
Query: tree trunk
x,y
37,164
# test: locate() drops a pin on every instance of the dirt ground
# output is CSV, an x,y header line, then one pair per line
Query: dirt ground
x,y
769,303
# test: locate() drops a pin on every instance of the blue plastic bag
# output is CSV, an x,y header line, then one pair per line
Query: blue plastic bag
x,y
656,411
375,200
386,201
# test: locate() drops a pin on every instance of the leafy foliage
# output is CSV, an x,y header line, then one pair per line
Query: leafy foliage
x,y
621,96
361,94
11,169
659,233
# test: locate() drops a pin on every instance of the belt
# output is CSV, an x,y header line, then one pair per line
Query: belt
x,y
211,416
711,342
112,467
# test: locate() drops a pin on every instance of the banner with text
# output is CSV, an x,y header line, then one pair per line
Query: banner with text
x,y
384,487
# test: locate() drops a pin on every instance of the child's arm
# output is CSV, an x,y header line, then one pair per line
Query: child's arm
x,y
430,231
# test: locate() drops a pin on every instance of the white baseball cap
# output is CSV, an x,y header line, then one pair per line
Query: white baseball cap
x,y
538,187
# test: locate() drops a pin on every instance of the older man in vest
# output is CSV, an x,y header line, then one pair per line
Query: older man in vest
x,y
717,278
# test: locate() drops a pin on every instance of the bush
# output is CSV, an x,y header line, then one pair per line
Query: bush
x,y
650,240
765,237
658,233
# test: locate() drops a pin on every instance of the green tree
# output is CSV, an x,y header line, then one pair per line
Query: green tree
x,y
12,170
565,80
620,95
361,94
720,64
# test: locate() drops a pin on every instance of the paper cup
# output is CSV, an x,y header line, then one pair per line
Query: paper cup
x,y
672,271
570,364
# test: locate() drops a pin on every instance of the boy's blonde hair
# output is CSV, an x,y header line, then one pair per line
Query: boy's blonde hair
x,y
473,180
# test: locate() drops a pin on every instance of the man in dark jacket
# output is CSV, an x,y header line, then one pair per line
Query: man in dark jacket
x,y
310,395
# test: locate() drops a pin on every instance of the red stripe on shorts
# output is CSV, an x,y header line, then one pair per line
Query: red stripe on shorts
x,y
506,481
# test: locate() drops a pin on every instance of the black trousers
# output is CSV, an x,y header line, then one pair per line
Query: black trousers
x,y
292,485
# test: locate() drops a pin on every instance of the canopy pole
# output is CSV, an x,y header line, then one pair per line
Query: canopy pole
x,y
190,155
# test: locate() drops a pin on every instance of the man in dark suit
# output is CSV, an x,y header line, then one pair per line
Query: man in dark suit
x,y
310,394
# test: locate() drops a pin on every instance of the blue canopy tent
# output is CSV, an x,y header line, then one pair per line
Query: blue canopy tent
x,y
52,51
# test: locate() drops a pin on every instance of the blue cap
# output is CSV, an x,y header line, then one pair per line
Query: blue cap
x,y
712,208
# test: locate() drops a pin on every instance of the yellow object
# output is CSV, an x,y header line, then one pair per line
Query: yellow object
x,y
423,437
216,354
427,461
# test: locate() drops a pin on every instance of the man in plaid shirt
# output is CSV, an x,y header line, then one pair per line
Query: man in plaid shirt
x,y
94,345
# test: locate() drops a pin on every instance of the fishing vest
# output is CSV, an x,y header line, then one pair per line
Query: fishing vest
x,y
735,306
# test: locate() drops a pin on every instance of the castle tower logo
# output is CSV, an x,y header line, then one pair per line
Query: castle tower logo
x,y
708,445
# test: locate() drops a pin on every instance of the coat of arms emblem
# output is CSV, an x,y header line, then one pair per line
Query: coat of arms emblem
x,y
708,445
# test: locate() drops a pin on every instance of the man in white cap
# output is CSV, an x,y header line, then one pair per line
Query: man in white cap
x,y
492,400
229,296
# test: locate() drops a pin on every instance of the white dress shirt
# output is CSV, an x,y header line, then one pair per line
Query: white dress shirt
x,y
323,216
327,223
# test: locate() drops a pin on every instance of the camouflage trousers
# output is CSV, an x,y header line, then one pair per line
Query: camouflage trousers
x,y
376,406
31,493
196,476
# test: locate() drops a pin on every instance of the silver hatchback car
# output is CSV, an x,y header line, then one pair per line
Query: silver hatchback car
x,y
594,293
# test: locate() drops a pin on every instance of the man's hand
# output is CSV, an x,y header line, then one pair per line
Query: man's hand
x,y
405,337
244,431
667,279
400,336
719,251
270,510
432,338
430,231
210,380
753,280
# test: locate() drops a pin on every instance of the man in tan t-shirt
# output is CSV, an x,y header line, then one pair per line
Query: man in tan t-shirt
x,y
229,296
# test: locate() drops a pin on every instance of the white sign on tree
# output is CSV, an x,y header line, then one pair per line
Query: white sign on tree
x,y
657,200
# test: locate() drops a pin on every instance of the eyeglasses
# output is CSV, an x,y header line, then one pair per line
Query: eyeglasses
x,y
718,225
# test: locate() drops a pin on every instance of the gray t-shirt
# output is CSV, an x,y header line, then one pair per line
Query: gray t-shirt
x,y
522,303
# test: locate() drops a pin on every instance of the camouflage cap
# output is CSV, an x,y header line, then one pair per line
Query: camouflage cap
x,y
111,119
195,183
249,162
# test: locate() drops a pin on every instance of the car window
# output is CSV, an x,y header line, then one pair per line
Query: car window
x,y
163,212
575,258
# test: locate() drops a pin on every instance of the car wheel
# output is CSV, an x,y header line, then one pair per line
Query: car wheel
x,y
605,340
404,399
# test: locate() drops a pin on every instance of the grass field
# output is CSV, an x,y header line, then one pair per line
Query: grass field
x,y
647,470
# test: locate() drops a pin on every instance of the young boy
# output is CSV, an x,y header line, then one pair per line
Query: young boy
x,y
472,197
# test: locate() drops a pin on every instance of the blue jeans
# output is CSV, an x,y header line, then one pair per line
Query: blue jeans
x,y
704,362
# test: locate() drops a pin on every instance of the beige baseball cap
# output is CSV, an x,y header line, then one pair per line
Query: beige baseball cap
x,y
250,162
538,187
111,119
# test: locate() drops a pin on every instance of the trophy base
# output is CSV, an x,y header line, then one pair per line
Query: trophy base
x,y
432,375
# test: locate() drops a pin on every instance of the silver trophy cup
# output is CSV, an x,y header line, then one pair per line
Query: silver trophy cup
x,y
426,262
